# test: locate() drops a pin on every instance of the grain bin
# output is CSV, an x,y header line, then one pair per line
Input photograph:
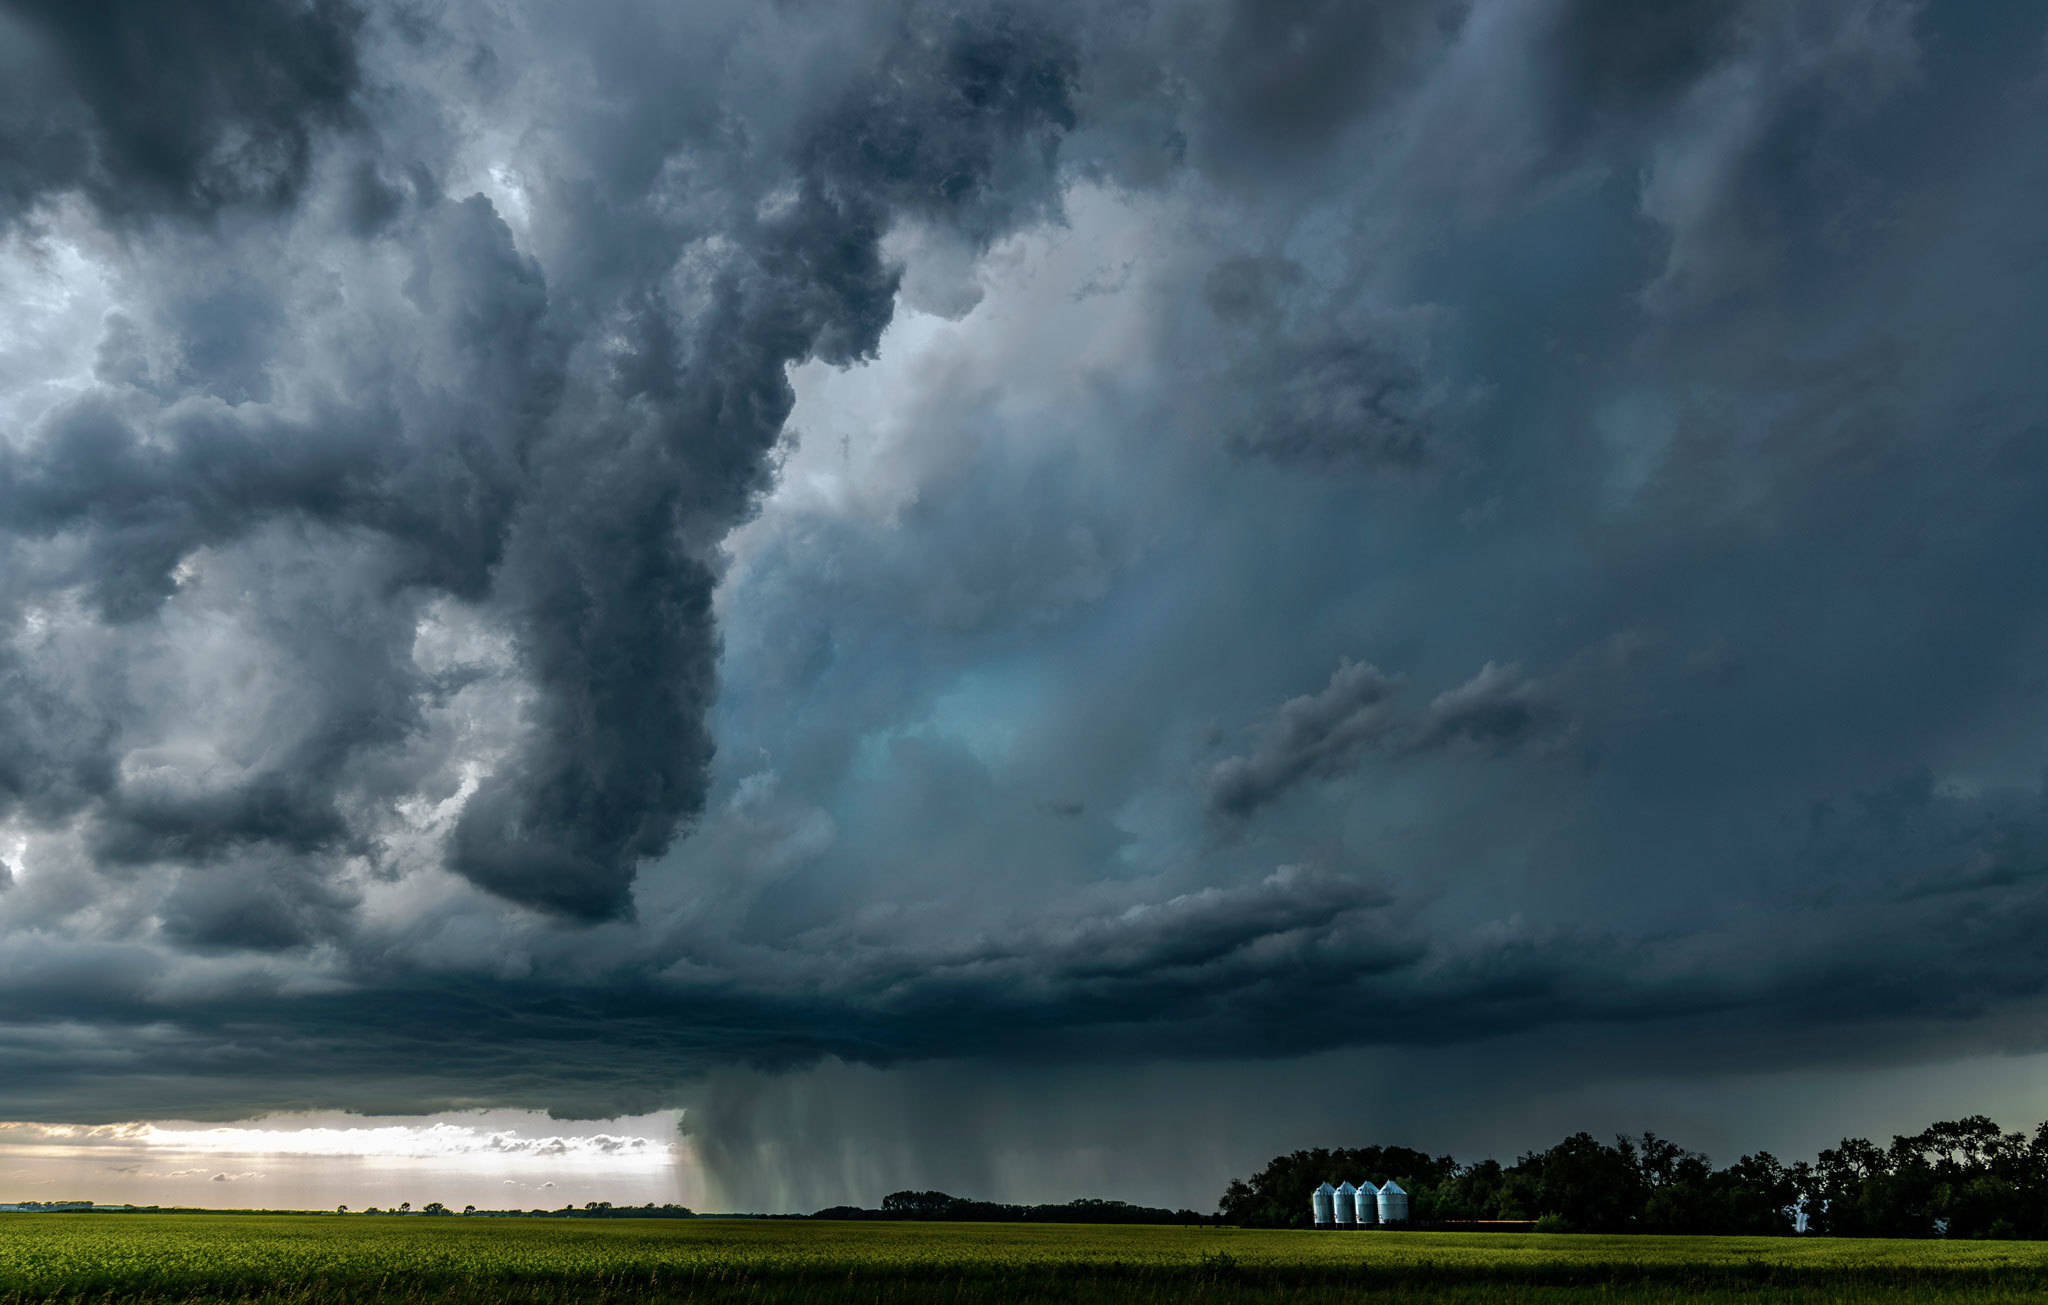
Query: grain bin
x,y
1393,1203
1323,1201
1345,1203
1368,1205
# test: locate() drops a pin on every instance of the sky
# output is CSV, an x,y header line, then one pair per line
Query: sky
x,y
759,603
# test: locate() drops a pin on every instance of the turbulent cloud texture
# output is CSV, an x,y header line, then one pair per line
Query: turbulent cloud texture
x,y
548,550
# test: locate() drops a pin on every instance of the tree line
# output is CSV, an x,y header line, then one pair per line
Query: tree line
x,y
938,1205
1963,1178
589,1210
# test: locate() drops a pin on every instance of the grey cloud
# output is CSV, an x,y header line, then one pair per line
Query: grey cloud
x,y
183,108
1297,962
1313,735
1788,187
145,503
1312,382
1272,91
1341,403
59,759
1283,81
584,519
613,585
1246,287
262,904
1611,67
1326,734
1201,945
1497,710
292,813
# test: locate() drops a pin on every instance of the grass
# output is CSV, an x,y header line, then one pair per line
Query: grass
x,y
329,1260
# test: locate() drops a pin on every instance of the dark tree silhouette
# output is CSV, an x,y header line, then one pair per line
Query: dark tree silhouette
x,y
1962,1178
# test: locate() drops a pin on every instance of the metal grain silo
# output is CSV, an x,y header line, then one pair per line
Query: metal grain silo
x,y
1368,1205
1346,1205
1324,1201
1393,1203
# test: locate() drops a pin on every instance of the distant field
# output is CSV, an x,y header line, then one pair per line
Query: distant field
x,y
315,1260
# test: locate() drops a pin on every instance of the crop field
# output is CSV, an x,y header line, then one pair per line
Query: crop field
x,y
318,1259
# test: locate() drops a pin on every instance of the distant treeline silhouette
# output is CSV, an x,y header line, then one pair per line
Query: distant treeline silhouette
x,y
1964,1178
938,1205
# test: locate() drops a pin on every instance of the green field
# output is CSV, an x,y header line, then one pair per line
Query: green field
x,y
324,1258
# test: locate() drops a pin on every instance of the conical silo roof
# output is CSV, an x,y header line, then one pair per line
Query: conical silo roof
x,y
1393,1203
1368,1203
1322,1203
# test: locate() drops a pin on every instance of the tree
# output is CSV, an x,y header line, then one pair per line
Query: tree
x,y
1857,1190
1594,1188
1761,1195
1521,1195
917,1205
1471,1192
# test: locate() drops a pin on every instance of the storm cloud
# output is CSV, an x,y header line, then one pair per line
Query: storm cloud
x,y
579,499
183,108
572,557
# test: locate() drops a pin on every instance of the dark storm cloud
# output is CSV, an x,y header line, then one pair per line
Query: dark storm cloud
x,y
1155,961
276,908
1279,90
435,506
590,527
58,759
145,503
1301,962
1614,67
959,125
1280,82
184,107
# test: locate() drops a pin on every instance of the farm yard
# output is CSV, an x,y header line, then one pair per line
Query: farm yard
x,y
316,1259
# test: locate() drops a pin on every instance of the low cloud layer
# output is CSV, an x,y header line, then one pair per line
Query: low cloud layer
x,y
552,556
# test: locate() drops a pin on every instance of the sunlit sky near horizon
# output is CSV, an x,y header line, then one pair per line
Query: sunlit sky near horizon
x,y
499,1159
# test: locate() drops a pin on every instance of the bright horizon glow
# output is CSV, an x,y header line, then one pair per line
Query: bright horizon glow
x,y
491,1159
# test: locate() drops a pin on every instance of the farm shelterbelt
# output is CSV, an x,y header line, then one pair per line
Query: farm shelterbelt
x,y
315,1259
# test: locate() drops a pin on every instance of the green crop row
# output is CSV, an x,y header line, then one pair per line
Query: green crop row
x,y
327,1260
